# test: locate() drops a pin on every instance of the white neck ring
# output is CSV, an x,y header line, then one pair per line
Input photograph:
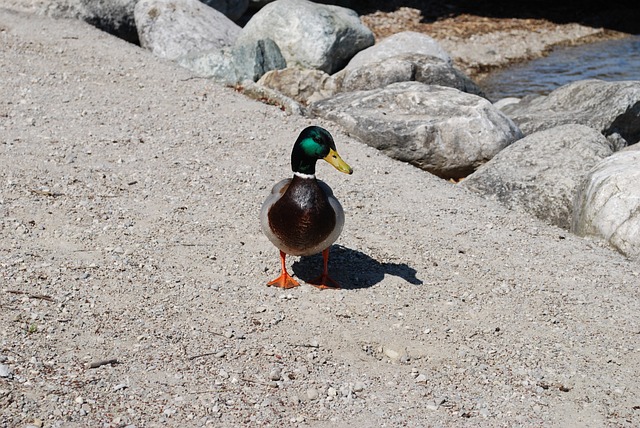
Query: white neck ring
x,y
301,175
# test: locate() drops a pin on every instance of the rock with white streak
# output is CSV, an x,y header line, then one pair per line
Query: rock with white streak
x,y
608,202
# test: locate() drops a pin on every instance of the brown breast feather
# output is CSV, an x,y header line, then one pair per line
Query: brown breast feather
x,y
303,217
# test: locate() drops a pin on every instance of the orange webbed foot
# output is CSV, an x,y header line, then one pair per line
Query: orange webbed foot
x,y
283,281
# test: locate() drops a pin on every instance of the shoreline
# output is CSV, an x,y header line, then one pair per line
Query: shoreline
x,y
479,45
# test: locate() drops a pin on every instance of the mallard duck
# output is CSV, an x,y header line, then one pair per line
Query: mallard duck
x,y
301,216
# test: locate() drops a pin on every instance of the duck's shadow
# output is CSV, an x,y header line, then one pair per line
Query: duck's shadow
x,y
352,269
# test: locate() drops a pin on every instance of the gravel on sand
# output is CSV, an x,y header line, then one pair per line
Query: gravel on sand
x,y
133,270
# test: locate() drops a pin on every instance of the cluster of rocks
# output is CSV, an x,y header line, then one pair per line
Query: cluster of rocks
x,y
578,166
321,60
568,158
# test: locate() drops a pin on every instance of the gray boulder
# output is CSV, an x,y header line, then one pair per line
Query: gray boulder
x,y
407,67
541,172
232,66
112,16
176,28
233,9
441,130
406,42
612,108
607,204
310,35
217,64
253,60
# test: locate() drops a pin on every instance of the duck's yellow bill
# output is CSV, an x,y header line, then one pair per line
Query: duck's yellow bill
x,y
334,159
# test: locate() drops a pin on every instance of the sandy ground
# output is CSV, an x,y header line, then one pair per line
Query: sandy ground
x,y
128,232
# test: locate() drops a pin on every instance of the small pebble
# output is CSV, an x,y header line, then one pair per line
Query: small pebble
x,y
275,374
312,394
5,371
421,378
431,405
391,353
294,399
119,386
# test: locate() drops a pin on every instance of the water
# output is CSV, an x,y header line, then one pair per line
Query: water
x,y
612,60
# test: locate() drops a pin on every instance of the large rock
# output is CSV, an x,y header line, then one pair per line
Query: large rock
x,y
310,35
176,28
407,67
541,172
232,66
608,203
612,108
441,130
406,42
303,85
253,60
113,16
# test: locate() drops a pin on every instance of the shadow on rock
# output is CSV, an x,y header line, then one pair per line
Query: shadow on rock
x,y
352,269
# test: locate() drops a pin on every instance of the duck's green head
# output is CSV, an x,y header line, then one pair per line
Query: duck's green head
x,y
316,143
